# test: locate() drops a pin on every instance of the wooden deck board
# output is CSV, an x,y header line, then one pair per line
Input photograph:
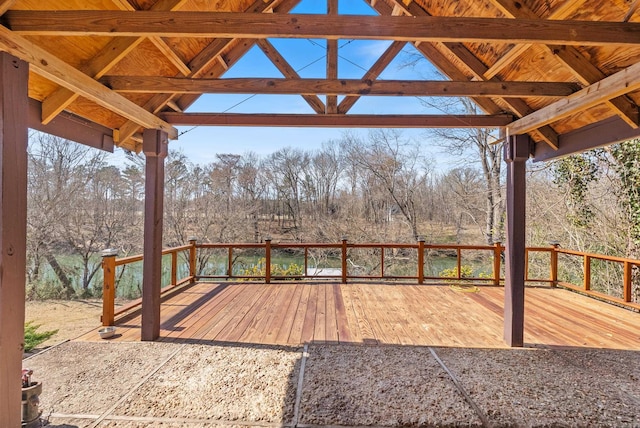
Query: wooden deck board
x,y
293,313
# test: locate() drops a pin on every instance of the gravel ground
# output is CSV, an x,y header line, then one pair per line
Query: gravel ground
x,y
548,387
88,378
254,384
384,386
166,385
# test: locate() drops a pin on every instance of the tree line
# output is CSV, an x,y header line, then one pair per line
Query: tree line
x,y
379,187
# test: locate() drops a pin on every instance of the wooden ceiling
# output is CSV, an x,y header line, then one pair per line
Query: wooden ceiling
x,y
565,71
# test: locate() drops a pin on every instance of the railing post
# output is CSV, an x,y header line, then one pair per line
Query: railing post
x,y
267,260
193,241
344,259
626,291
174,268
108,286
421,260
587,273
497,256
554,263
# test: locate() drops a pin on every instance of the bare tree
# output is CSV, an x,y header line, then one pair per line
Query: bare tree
x,y
476,147
395,165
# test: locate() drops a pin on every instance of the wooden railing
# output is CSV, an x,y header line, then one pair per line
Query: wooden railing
x,y
110,264
341,251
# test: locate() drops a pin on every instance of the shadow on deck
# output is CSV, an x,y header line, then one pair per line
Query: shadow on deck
x,y
293,313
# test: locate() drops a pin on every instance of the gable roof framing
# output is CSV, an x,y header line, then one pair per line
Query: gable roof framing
x,y
545,68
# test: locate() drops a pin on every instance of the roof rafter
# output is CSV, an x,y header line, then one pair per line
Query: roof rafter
x,y
339,120
52,68
243,25
509,8
582,68
110,55
288,71
372,74
207,58
352,87
610,87
476,68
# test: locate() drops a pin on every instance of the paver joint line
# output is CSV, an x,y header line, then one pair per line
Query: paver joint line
x,y
296,406
483,417
138,385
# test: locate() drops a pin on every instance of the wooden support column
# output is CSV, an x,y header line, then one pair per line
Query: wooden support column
x,y
154,144
14,75
517,150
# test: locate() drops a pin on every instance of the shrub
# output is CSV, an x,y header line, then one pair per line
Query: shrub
x,y
259,269
33,338
466,271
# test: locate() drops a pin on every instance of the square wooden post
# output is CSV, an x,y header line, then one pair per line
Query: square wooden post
x,y
517,150
155,146
14,75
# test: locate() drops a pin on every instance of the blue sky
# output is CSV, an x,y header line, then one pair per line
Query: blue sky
x,y
307,57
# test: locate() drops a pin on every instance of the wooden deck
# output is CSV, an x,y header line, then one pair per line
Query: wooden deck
x,y
293,313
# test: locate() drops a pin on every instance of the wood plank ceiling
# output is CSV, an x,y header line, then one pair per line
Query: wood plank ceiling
x,y
549,68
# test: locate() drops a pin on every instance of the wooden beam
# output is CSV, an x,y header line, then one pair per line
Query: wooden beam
x,y
100,64
72,127
353,87
259,26
589,74
14,75
51,67
155,146
332,60
606,132
618,84
288,71
338,120
373,73
516,154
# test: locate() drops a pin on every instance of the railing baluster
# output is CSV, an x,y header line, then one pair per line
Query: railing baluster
x,y
267,260
497,255
344,260
192,259
587,273
459,256
626,290
381,262
554,264
108,286
421,260
174,267
230,263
